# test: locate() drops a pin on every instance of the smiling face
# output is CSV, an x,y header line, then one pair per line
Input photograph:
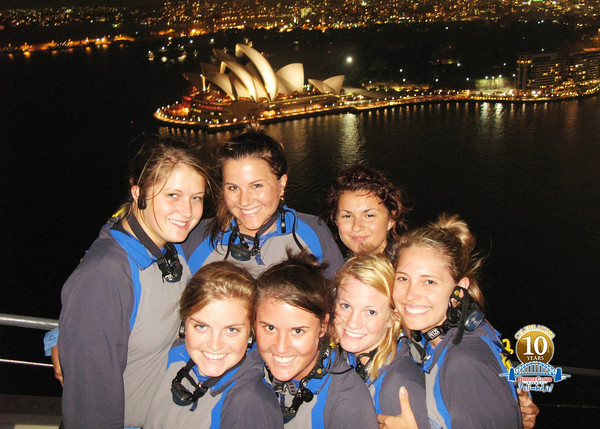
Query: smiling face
x,y
363,222
251,191
288,339
216,337
173,207
423,287
362,315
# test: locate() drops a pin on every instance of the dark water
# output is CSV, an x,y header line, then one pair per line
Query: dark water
x,y
525,177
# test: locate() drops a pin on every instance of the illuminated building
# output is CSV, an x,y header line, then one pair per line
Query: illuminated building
x,y
584,66
539,72
232,92
552,72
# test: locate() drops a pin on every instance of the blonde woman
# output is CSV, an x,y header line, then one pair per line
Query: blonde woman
x,y
368,330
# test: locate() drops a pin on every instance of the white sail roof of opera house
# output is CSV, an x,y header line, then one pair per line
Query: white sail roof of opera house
x,y
291,78
263,67
333,84
257,80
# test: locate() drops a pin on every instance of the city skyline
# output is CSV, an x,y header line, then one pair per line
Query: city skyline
x,y
27,4
193,16
443,51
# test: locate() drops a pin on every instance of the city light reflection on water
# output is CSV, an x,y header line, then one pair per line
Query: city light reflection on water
x,y
351,139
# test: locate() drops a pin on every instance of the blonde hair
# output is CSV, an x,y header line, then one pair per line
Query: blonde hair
x,y
375,271
451,238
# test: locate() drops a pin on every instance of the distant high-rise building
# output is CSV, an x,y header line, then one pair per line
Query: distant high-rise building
x,y
549,72
583,66
541,72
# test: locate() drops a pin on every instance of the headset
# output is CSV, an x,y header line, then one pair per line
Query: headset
x,y
182,396
363,370
462,312
241,251
301,393
168,262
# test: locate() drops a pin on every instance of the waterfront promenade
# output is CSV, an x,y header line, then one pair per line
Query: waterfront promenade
x,y
357,100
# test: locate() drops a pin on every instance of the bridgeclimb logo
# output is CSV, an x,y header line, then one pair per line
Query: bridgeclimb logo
x,y
534,350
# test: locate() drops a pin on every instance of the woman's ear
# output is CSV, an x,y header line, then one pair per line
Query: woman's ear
x,y
391,319
140,202
391,222
282,182
135,193
464,283
324,325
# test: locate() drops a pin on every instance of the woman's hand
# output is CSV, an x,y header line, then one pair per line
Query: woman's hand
x,y
406,420
56,364
529,410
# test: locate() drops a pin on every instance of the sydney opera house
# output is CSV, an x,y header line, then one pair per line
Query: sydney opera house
x,y
233,93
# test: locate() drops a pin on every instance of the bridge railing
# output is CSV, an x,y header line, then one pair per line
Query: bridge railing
x,y
30,323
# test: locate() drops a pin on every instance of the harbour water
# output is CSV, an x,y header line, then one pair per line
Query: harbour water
x,y
524,176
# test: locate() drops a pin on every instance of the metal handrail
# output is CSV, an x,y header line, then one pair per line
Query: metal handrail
x,y
31,323
28,322
580,371
26,362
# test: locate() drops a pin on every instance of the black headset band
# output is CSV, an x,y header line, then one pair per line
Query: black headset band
x,y
466,315
304,394
167,262
363,370
244,248
183,396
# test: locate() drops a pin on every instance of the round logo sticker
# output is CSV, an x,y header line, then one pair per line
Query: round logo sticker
x,y
535,344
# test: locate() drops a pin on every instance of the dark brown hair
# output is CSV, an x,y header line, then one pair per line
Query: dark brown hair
x,y
298,281
361,178
252,143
